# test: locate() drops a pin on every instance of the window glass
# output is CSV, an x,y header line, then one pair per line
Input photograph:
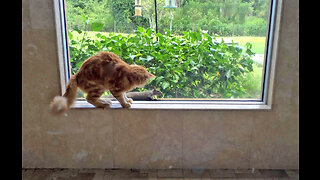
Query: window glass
x,y
200,49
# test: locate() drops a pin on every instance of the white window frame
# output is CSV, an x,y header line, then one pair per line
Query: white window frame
x,y
223,104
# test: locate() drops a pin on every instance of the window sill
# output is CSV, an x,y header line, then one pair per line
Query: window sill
x,y
187,105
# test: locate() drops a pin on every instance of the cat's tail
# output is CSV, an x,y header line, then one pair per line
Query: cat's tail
x,y
61,104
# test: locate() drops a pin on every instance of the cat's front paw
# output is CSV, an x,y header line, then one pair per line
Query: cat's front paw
x,y
127,105
129,100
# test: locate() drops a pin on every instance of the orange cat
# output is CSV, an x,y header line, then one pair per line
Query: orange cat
x,y
101,72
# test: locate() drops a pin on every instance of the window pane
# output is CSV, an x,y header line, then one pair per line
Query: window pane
x,y
203,48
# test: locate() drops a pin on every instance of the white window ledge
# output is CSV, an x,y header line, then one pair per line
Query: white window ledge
x,y
181,104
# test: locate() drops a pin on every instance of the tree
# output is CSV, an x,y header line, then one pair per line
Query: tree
x,y
124,19
236,11
122,10
226,17
149,13
80,11
260,8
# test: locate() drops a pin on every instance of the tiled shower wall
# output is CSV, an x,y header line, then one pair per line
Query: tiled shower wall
x,y
131,138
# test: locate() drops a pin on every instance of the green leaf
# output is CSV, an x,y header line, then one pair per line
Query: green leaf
x,y
132,56
248,51
98,35
70,35
143,59
165,85
149,31
228,74
174,43
78,30
149,58
140,29
248,45
159,78
176,78
159,35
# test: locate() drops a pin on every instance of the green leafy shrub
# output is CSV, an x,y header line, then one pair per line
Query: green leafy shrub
x,y
193,65
256,26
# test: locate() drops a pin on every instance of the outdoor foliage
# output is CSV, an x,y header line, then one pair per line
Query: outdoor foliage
x,y
193,65
223,17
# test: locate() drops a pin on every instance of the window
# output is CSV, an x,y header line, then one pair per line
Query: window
x,y
216,54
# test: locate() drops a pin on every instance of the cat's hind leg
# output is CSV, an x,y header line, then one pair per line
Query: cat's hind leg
x,y
93,97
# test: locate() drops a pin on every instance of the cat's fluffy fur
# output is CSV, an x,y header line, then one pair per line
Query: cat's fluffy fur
x,y
101,72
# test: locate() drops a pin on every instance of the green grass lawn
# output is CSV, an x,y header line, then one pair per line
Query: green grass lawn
x,y
252,82
258,43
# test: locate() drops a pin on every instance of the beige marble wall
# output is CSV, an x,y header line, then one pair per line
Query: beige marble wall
x,y
131,138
